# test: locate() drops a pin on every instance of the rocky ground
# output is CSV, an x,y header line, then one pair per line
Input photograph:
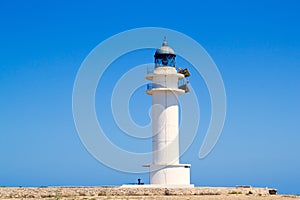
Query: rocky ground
x,y
136,192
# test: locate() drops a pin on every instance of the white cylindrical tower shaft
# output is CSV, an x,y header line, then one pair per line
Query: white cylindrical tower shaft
x,y
165,141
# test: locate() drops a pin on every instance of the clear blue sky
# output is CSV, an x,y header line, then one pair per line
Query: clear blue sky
x,y
255,44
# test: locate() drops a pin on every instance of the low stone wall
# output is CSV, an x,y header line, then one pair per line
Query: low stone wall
x,y
58,192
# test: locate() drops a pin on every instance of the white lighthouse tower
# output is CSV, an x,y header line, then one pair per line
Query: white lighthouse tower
x,y
165,89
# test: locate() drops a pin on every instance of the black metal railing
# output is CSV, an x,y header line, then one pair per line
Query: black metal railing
x,y
150,69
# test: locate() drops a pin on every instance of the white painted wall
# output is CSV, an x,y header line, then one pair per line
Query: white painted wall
x,y
171,175
165,128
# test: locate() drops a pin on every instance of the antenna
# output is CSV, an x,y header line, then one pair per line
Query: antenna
x,y
165,41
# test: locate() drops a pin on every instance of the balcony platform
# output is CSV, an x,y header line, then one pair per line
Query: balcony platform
x,y
175,90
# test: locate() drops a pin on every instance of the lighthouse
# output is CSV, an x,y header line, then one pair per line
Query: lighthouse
x,y
167,83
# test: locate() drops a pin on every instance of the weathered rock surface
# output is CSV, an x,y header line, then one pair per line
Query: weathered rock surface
x,y
139,193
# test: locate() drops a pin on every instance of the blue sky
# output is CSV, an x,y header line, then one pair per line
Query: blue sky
x,y
255,44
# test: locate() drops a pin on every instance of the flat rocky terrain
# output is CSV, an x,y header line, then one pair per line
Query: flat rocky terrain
x,y
137,192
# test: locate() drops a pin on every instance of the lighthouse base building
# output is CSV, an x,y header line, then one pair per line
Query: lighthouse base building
x,y
170,175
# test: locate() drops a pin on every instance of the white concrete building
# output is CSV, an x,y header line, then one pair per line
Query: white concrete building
x,y
165,89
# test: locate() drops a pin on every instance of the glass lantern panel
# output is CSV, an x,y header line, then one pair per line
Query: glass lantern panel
x,y
166,60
